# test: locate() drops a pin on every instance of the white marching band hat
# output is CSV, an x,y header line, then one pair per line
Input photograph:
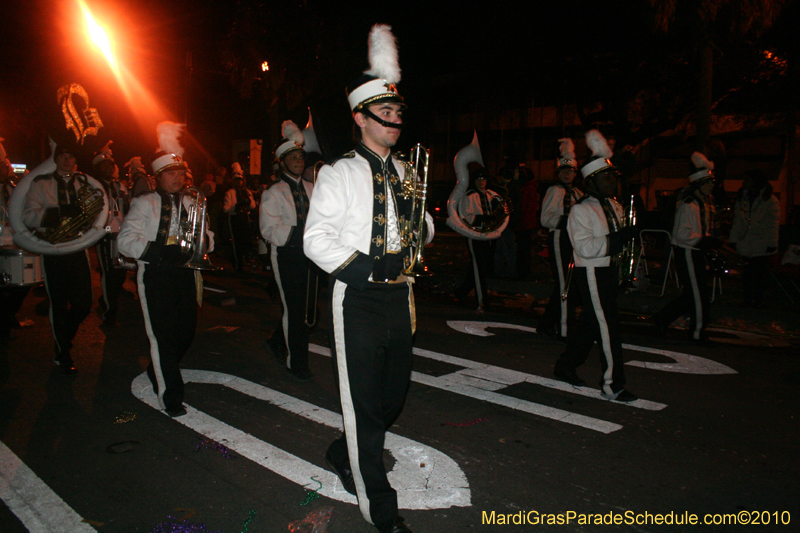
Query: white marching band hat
x,y
378,84
169,154
702,166
103,155
601,154
293,139
236,170
567,158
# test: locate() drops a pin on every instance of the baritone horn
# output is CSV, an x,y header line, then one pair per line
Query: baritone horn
x,y
192,235
91,202
415,229
626,259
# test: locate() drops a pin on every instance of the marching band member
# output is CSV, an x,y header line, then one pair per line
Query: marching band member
x,y
477,206
11,297
353,233
558,200
111,278
140,181
68,276
237,204
755,229
284,210
692,236
169,293
595,275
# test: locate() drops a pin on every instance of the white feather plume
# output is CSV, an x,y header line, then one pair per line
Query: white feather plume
x,y
567,148
700,161
168,135
135,165
598,144
383,61
292,133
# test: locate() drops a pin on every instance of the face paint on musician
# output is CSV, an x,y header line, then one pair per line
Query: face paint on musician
x,y
378,138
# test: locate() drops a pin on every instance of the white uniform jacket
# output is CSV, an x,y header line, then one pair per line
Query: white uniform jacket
x,y
755,227
553,205
230,201
588,231
470,205
687,229
278,214
42,195
339,226
141,226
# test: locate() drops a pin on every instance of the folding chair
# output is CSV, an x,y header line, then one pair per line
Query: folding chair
x,y
667,253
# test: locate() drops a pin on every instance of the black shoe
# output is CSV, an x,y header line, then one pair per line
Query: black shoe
x,y
621,396
393,526
345,474
568,376
548,330
276,354
301,375
705,342
175,412
660,326
64,360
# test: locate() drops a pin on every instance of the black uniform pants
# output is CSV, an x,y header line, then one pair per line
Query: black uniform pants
x,y
11,298
111,279
560,314
169,305
481,254
695,296
371,339
290,268
241,239
68,280
756,279
599,322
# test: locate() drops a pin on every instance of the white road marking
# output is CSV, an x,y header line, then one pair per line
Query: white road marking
x,y
439,484
687,364
34,503
480,381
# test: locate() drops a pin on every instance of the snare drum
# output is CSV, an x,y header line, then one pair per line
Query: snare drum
x,y
19,268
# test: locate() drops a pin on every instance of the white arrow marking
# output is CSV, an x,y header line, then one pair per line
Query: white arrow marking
x,y
687,364
438,484
34,503
479,381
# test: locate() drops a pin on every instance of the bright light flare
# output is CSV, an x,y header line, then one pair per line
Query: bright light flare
x,y
264,66
98,35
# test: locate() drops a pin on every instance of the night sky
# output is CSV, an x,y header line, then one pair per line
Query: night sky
x,y
457,56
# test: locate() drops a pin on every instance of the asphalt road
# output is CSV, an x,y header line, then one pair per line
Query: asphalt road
x,y
485,430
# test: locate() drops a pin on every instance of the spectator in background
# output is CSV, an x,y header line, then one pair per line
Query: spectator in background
x,y
755,233
528,221
510,179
